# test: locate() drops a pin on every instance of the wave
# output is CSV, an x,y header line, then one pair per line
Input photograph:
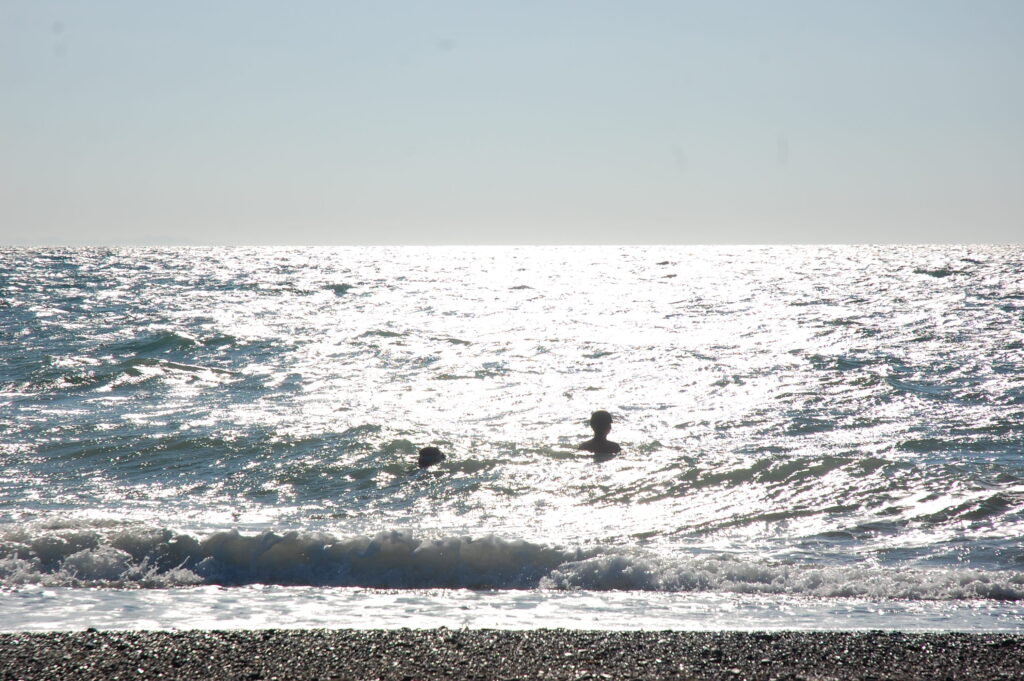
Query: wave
x,y
150,356
73,555
155,343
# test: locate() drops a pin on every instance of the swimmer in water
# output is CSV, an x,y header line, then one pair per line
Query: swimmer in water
x,y
429,456
601,422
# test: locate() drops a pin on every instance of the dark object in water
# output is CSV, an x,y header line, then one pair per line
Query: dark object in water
x,y
601,422
429,456
937,273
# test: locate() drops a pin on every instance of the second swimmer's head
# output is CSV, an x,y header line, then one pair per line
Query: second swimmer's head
x,y
429,456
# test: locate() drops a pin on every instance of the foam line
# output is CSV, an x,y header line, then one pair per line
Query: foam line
x,y
84,556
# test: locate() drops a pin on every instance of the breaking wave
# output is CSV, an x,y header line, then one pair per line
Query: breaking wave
x,y
115,557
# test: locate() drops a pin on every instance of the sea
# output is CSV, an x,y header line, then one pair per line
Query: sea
x,y
813,437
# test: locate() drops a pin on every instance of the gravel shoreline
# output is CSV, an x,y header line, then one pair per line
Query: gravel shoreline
x,y
407,654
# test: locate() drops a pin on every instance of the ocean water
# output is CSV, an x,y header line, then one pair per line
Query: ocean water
x,y
813,437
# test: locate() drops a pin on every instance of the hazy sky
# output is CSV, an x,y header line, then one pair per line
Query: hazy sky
x,y
656,121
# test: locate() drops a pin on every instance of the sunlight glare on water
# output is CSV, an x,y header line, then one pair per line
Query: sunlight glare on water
x,y
781,409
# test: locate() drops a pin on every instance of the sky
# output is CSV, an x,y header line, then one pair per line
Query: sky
x,y
549,121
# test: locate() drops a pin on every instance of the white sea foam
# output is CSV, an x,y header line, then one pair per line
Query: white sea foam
x,y
731,574
399,560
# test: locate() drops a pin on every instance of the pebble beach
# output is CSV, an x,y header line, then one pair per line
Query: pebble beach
x,y
407,654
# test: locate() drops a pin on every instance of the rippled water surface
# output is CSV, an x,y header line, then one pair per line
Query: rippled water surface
x,y
796,422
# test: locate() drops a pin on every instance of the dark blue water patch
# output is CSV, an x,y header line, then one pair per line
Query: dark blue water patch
x,y
234,463
1012,396
848,363
811,302
400,446
364,484
383,333
74,450
768,473
798,470
974,510
1010,430
159,343
368,473
355,466
972,398
866,380
932,445
129,452
807,425
359,432
989,507
976,553
756,518
922,389
131,367
841,362
424,362
85,377
868,465
842,321
218,340
938,273
452,341
726,426
764,449
27,370
491,370
129,370
865,531
847,421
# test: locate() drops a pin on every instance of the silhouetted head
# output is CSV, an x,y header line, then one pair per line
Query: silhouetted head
x,y
429,456
601,422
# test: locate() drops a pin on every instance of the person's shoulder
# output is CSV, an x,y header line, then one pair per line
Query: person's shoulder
x,y
604,447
